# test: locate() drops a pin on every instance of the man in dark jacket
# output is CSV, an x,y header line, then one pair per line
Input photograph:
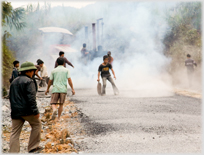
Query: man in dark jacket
x,y
15,71
24,108
61,54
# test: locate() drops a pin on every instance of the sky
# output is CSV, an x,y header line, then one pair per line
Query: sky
x,y
75,4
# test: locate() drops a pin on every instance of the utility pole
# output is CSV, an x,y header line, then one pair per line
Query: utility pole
x,y
98,31
94,36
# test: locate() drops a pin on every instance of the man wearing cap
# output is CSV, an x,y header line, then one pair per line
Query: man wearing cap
x,y
24,108
110,58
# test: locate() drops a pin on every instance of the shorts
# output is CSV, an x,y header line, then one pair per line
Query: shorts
x,y
58,98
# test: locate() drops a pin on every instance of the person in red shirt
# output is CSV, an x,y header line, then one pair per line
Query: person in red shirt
x,y
61,54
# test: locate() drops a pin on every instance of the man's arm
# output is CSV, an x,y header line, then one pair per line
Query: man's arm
x,y
113,73
36,73
55,64
31,96
71,85
98,76
48,86
69,63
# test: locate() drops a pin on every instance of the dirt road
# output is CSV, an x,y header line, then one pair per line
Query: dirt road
x,y
119,124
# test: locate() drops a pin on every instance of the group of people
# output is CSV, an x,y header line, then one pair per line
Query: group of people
x,y
22,96
23,89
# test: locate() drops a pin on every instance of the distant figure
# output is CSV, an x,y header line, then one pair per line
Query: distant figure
x,y
24,108
190,63
43,73
15,71
84,54
105,75
110,58
59,78
61,54
84,51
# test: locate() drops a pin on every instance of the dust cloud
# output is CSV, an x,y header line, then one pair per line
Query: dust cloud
x,y
132,31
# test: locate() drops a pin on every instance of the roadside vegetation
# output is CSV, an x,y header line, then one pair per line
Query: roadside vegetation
x,y
185,31
11,18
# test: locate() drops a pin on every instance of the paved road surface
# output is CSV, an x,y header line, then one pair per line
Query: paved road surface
x,y
119,124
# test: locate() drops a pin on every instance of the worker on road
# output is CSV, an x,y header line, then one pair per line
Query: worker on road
x,y
15,71
24,108
105,75
110,58
61,54
43,73
59,77
190,63
84,54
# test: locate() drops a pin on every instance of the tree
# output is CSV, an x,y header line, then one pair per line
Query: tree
x,y
12,17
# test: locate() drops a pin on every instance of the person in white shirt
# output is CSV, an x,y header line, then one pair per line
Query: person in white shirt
x,y
43,73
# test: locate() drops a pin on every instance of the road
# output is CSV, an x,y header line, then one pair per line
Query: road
x,y
119,124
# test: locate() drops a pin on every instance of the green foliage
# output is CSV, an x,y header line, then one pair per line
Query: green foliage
x,y
184,21
191,36
8,58
4,92
12,17
6,11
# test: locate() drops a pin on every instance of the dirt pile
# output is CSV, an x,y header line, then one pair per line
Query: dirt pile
x,y
59,138
56,136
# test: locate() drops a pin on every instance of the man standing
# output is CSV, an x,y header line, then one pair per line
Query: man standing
x,y
43,73
189,63
15,71
84,54
110,58
58,78
105,75
24,108
61,54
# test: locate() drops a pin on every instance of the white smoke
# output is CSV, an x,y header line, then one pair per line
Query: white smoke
x,y
133,32
141,70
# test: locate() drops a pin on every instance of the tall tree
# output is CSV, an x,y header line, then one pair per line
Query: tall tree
x,y
12,17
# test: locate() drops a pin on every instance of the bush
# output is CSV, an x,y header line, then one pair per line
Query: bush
x,y
191,36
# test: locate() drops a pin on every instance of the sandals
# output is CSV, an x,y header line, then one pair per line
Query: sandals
x,y
36,150
54,115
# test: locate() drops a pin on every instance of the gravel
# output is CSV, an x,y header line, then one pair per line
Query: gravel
x,y
120,124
